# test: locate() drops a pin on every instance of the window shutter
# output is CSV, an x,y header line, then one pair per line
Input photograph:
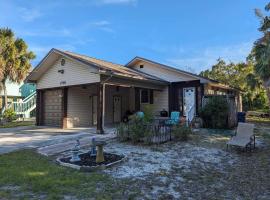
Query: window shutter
x,y
151,97
137,99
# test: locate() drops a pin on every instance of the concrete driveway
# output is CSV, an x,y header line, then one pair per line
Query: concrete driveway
x,y
12,139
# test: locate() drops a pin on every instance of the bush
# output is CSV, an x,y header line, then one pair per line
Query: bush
x,y
215,112
137,128
181,132
122,132
148,113
9,115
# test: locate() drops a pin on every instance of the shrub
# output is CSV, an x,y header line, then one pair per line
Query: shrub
x,y
215,112
9,115
137,128
148,113
181,132
122,132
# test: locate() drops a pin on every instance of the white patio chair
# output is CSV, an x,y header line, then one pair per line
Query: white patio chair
x,y
244,136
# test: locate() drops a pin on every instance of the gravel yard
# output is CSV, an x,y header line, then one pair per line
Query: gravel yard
x,y
198,169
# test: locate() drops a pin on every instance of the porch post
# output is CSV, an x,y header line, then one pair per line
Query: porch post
x,y
100,108
103,104
39,108
64,107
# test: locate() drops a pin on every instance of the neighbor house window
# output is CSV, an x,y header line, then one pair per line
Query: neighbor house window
x,y
141,66
144,96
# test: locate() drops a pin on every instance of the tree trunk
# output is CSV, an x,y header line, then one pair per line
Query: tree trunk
x,y
267,88
5,94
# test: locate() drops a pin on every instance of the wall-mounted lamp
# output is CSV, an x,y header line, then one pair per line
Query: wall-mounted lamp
x,y
61,71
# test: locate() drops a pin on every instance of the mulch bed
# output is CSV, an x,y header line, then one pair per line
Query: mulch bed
x,y
87,160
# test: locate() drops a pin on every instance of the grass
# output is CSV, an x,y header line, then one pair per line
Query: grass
x,y
35,176
17,123
258,120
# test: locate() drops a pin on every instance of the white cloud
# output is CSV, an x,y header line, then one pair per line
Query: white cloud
x,y
100,23
207,57
47,32
29,15
116,2
103,25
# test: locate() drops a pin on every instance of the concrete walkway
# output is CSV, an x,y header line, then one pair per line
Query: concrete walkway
x,y
12,139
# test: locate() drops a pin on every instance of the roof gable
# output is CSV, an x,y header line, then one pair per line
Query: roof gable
x,y
102,66
169,68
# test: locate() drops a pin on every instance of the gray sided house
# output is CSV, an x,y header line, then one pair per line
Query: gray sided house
x,y
74,90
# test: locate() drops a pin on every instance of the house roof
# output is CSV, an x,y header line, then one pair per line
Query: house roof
x,y
138,58
204,79
104,67
109,68
116,69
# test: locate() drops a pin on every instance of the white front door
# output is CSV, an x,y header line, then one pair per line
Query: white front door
x,y
117,109
188,99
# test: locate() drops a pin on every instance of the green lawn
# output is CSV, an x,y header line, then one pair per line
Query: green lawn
x,y
17,123
28,175
259,120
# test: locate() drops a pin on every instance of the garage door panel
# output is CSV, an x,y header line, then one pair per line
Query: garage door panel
x,y
53,108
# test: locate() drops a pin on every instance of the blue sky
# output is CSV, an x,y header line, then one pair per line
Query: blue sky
x,y
188,34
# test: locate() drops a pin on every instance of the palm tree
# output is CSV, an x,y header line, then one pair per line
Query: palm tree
x,y
14,59
261,51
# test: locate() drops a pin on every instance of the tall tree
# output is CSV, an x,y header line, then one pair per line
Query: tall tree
x,y
261,50
14,59
242,76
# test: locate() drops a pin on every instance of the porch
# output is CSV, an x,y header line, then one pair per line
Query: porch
x,y
99,105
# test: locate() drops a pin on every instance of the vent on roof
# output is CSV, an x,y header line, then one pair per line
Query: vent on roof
x,y
141,66
63,62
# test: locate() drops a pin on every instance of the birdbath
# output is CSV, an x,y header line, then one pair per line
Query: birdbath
x,y
75,152
100,155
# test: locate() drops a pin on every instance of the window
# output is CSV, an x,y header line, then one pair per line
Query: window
x,y
141,66
144,96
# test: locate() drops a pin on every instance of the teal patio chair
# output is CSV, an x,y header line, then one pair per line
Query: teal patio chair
x,y
174,119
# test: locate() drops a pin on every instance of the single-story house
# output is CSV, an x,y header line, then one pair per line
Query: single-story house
x,y
75,90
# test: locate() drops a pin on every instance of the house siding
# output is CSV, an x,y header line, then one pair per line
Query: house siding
x,y
160,101
79,108
166,74
74,74
110,92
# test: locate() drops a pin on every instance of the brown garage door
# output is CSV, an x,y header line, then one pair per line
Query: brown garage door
x,y
53,108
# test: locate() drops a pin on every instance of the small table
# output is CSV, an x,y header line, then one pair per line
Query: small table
x,y
100,155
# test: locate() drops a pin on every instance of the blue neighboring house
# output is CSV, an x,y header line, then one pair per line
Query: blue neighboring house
x,y
16,92
27,89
